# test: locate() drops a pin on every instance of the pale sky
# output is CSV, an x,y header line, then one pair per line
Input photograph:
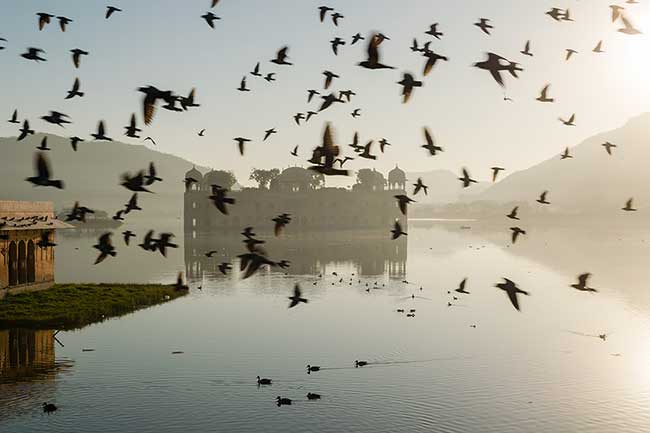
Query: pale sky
x,y
165,43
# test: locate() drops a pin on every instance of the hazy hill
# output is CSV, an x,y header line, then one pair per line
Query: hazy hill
x,y
92,175
591,180
444,187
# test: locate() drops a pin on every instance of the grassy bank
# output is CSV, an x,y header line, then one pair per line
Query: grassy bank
x,y
72,306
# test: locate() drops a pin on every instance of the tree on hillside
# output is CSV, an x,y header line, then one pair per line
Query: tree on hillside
x,y
264,177
372,180
225,179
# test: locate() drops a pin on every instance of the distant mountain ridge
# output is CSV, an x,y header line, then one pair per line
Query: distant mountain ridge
x,y
592,179
92,174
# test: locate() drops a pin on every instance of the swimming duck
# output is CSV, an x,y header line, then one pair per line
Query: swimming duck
x,y
49,407
280,401
311,368
313,396
360,363
261,381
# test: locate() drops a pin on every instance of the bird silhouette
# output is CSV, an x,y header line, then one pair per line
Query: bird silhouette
x,y
63,22
43,19
134,183
495,172
494,65
408,83
461,287
296,298
329,76
294,152
34,54
224,268
49,408
105,247
251,262
543,97
220,200
311,94
403,202
14,117
608,147
581,285
433,31
628,28
566,154
75,90
241,141
356,113
101,133
313,396
598,48
25,131
43,175
555,13
432,59
336,42
513,213
397,231
281,57
242,85
269,77
419,185
512,290
110,10
616,11
280,223
526,51
569,53
570,121
74,142
328,100
430,146
76,56
323,156
628,206
516,231
268,133
210,18
542,198
336,17
373,60
56,118
466,179
484,25
43,145
356,38
323,10
132,129
127,235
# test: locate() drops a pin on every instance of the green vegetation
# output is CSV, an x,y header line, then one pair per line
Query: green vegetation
x,y
73,306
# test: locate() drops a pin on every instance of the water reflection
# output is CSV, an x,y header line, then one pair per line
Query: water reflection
x,y
370,253
27,357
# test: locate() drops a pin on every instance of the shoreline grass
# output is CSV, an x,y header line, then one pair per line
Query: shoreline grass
x,y
73,306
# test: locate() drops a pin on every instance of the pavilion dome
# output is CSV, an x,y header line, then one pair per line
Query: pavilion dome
x,y
396,175
194,174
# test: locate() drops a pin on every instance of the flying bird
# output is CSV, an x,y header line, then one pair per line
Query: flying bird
x,y
356,38
323,10
543,97
356,113
629,206
598,48
134,183
373,60
268,133
397,231
382,144
296,298
43,175
43,145
628,28
101,134
570,121
569,53
242,85
34,54
281,57
63,22
127,235
220,200
256,70
76,56
582,283
566,154
466,179
43,18
461,287
516,231
269,77
329,76
408,83
608,147
542,198
616,11
336,42
513,213
432,59
494,65
336,17
294,152
105,247
512,290
240,143
74,142
403,202
110,10
484,25
132,130
14,117
25,131
419,185
526,51
495,172
210,18
75,90
433,31
430,146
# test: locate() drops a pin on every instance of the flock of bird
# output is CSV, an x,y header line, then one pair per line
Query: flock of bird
x,y
326,159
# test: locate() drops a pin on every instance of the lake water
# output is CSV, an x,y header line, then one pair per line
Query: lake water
x,y
541,369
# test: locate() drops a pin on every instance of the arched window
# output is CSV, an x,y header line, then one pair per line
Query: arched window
x,y
31,262
22,262
13,264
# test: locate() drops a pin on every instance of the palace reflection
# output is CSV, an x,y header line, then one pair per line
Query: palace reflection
x,y
372,253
